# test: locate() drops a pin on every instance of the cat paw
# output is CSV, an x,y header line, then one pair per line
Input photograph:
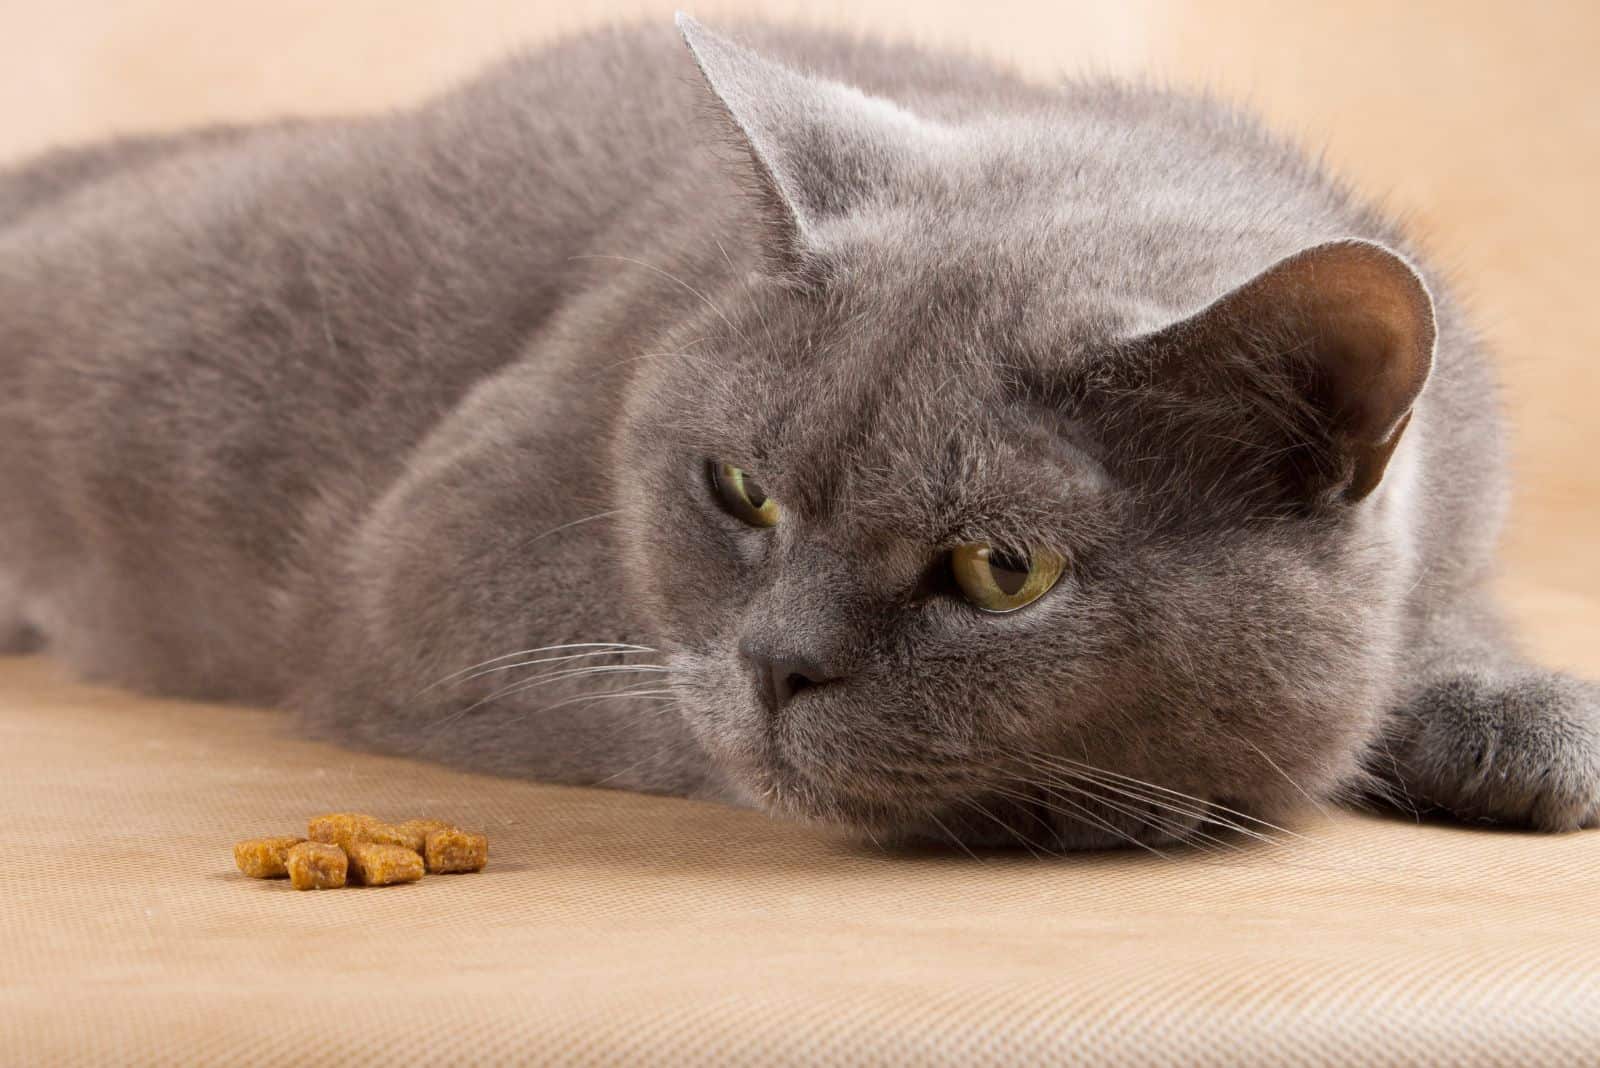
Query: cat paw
x,y
1521,750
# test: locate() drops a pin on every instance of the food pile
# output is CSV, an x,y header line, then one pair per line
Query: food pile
x,y
362,850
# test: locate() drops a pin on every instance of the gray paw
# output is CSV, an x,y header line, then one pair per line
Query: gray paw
x,y
1521,749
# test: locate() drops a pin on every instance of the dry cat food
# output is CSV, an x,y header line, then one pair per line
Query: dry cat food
x,y
317,866
377,864
343,828
362,850
451,850
265,858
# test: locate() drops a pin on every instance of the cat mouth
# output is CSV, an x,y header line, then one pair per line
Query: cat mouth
x,y
923,795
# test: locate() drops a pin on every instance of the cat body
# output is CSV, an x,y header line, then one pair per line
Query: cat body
x,y
339,414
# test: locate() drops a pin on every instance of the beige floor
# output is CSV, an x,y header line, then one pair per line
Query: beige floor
x,y
616,929
612,926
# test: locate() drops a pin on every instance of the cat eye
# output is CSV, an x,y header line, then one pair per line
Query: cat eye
x,y
743,496
994,580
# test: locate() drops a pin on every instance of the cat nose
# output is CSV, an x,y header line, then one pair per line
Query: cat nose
x,y
779,675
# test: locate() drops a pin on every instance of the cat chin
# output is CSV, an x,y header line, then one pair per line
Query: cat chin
x,y
893,799
1041,827
973,819
961,814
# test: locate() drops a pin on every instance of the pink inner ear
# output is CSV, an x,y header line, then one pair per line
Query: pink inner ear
x,y
1305,376
1366,321
1373,326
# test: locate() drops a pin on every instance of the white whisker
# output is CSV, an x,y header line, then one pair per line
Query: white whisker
x,y
1212,805
1168,825
937,822
618,694
1081,813
1032,847
568,526
1205,813
544,660
1273,764
566,673
605,646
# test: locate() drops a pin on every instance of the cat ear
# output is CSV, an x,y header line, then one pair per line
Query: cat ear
x,y
819,148
1329,348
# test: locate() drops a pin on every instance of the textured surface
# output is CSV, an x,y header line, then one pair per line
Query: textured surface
x,y
610,927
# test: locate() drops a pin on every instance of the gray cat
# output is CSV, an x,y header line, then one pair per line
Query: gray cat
x,y
947,456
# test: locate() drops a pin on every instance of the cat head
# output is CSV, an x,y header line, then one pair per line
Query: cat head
x,y
1005,502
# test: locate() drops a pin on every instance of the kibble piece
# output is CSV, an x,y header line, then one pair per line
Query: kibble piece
x,y
378,864
263,858
342,829
451,850
413,834
317,866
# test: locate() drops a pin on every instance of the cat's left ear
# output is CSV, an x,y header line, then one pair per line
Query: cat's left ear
x,y
1322,357
819,149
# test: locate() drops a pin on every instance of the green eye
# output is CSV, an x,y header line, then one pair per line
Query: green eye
x,y
743,496
997,581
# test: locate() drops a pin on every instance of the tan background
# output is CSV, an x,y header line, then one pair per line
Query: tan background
x,y
612,927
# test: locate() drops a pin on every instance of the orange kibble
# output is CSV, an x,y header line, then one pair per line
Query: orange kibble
x,y
342,829
317,866
451,850
378,864
362,850
413,834
264,858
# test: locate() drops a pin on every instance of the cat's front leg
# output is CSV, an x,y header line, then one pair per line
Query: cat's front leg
x,y
1499,742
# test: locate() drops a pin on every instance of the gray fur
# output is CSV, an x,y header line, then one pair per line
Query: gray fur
x,y
322,414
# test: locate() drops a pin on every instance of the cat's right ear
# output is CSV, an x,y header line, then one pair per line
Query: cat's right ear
x,y
1299,383
818,149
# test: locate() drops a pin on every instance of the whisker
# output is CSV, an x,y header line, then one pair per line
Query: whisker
x,y
567,673
615,775
1204,814
871,837
1164,824
567,526
937,822
607,646
544,660
1273,764
1081,814
507,691
1168,790
619,694
1398,781
1026,843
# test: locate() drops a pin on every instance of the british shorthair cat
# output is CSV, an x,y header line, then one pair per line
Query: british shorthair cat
x,y
851,430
